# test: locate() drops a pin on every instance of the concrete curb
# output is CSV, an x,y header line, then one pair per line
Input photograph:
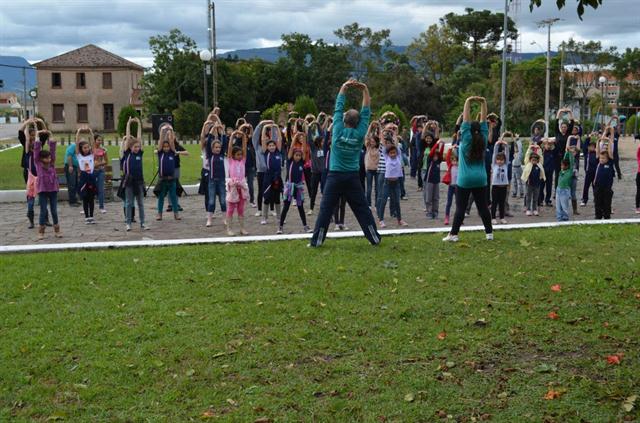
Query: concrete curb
x,y
270,238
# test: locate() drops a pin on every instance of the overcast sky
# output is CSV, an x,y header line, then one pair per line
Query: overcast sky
x,y
39,29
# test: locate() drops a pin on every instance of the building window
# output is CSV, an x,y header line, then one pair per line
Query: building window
x,y
81,82
58,113
56,80
106,81
83,114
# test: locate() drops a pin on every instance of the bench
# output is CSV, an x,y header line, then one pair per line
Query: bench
x,y
108,181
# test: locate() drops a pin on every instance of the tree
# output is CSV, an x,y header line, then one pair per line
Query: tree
x,y
481,30
278,113
627,69
395,109
305,105
399,83
176,74
436,53
365,47
187,118
560,3
588,60
123,117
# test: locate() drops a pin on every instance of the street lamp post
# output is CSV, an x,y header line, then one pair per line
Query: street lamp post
x,y
205,56
548,23
603,81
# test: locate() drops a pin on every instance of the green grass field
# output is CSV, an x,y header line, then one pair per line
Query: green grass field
x,y
11,175
411,331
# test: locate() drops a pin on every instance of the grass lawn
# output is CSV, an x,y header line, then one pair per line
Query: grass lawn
x,y
412,331
11,174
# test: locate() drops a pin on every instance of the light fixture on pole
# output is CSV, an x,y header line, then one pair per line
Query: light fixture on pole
x,y
548,23
205,56
211,28
603,82
503,85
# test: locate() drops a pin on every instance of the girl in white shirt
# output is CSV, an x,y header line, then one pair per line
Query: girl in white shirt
x,y
87,186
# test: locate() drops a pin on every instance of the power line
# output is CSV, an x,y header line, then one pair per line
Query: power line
x,y
17,67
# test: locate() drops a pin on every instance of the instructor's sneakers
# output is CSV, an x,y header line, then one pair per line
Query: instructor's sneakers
x,y
450,238
490,237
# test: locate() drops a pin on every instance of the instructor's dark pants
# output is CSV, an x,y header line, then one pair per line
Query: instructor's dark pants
x,y
345,184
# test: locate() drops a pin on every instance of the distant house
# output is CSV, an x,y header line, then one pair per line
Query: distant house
x,y
7,99
89,86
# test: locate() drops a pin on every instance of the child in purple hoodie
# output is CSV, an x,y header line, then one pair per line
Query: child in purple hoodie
x,y
47,184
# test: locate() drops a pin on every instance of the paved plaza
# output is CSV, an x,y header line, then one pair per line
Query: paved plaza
x,y
110,226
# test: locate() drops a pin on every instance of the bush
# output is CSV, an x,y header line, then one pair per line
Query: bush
x,y
274,112
305,105
125,113
187,118
630,126
404,123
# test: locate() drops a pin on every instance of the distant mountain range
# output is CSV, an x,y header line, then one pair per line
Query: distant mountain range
x,y
12,76
272,54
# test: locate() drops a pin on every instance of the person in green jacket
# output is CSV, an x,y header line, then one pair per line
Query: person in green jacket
x,y
563,191
343,180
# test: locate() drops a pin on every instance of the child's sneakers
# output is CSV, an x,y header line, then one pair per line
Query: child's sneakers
x,y
583,204
263,222
446,219
103,211
87,221
258,213
128,229
638,210
254,205
307,229
489,237
159,217
402,223
208,225
450,238
535,213
494,222
503,221
310,212
144,227
280,230
528,213
382,224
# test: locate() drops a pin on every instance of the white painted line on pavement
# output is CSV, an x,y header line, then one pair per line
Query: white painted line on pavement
x,y
10,148
262,238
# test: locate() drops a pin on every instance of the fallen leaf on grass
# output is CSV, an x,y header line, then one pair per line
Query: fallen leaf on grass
x,y
182,313
409,397
553,315
190,372
263,420
525,243
442,335
389,264
232,402
551,395
629,404
546,368
208,414
135,260
613,359
556,288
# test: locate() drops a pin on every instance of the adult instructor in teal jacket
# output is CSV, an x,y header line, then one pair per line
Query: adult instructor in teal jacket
x,y
347,139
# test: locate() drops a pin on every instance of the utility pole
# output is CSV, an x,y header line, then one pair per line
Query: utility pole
x,y
503,91
548,23
561,102
24,92
212,47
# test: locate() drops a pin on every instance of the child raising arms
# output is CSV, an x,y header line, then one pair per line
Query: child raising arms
x,y
87,183
166,171
47,183
272,183
131,165
294,189
236,184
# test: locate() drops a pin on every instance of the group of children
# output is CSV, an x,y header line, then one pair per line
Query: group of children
x,y
232,159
